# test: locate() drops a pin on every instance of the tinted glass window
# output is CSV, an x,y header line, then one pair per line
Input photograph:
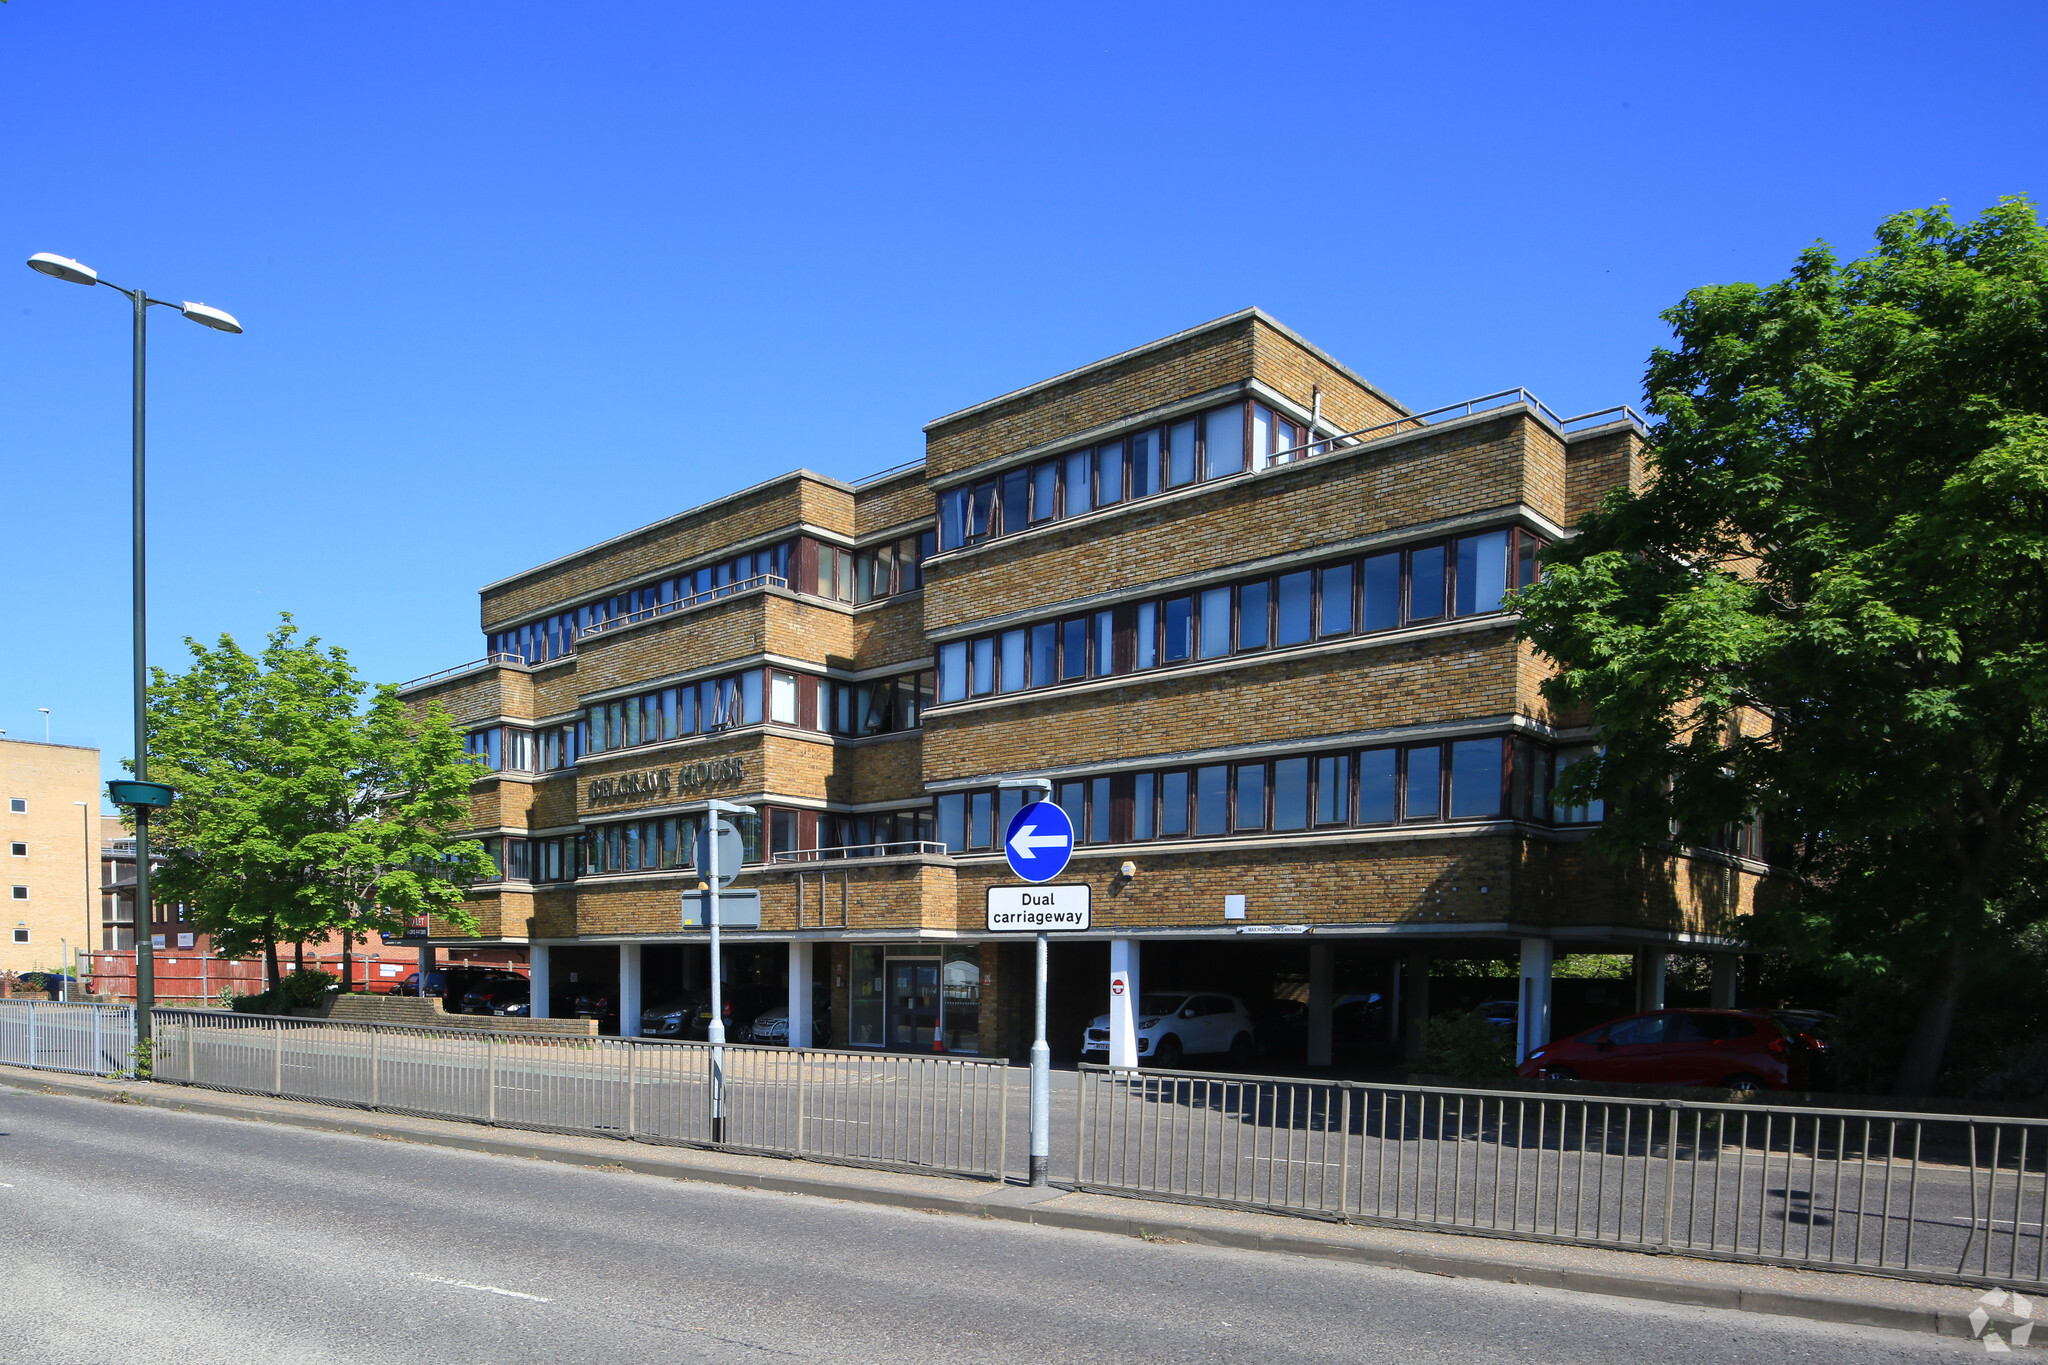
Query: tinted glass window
x,y
1295,598
1215,623
1142,802
1144,464
1212,800
1426,583
1045,482
1333,790
1290,793
1080,482
1225,431
1045,643
1335,603
1251,615
1382,578
1475,777
1423,795
1074,648
1376,786
1175,639
1013,671
1251,796
1482,572
1644,1029
1173,804
1180,454
1109,473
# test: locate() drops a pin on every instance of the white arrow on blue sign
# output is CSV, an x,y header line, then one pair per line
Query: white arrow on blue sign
x,y
1039,841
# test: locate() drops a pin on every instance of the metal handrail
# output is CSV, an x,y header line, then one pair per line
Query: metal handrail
x,y
495,659
890,472
1463,408
908,848
759,580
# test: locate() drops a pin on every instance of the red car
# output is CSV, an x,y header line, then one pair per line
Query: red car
x,y
1725,1049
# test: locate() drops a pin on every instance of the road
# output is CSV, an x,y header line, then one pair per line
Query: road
x,y
139,1234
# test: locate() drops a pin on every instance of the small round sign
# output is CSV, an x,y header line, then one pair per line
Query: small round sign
x,y
1039,841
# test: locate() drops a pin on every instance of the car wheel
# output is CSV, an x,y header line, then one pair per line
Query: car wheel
x,y
1168,1053
1241,1049
1743,1083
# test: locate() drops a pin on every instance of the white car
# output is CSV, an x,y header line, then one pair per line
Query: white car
x,y
1176,1024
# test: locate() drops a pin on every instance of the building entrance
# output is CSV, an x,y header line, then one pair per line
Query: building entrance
x,y
913,998
913,1003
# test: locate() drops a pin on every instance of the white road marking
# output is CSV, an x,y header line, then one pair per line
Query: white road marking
x,y
481,1288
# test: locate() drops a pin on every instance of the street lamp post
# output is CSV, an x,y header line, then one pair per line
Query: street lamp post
x,y
71,272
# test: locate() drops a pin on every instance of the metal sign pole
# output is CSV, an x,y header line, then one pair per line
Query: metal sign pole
x,y
715,1034
1041,1080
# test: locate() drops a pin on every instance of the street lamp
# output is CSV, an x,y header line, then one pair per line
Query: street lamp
x,y
142,794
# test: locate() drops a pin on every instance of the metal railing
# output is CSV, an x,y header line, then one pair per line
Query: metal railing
x,y
91,1040
1464,408
733,589
1941,1197
497,659
912,1111
909,848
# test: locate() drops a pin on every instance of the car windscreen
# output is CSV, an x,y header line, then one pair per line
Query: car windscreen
x,y
1149,1005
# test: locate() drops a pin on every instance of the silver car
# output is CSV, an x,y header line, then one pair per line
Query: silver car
x,y
1176,1024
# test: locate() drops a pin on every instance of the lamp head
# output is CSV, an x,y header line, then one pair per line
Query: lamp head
x,y
63,268
210,317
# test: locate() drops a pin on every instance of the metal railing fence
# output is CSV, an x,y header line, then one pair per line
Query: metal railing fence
x,y
1932,1196
92,1040
914,1111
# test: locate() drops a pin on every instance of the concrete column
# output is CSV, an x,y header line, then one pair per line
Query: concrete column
x,y
629,990
1532,1020
1322,994
800,983
1649,979
426,965
537,980
1414,1001
1390,1002
1123,1002
1727,971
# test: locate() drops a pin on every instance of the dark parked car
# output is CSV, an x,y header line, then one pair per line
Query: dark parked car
x,y
671,1018
437,984
482,992
1730,1049
741,1005
1281,1027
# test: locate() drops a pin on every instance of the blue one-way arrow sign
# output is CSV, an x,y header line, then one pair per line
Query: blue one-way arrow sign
x,y
1039,841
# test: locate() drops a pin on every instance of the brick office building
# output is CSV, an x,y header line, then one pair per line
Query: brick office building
x,y
1240,608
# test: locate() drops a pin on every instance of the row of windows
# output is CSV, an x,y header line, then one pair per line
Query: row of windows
x,y
1222,441
668,843
1459,780
874,707
554,637
841,575
1462,577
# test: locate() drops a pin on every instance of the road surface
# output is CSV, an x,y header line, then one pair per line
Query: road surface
x,y
139,1234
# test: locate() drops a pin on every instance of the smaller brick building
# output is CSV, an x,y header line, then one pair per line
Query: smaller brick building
x,y
1242,610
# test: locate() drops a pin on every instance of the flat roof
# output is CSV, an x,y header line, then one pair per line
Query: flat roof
x,y
671,520
1227,320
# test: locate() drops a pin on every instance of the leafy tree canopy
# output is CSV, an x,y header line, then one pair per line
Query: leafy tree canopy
x,y
301,811
1829,602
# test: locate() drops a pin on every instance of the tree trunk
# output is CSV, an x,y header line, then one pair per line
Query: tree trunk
x,y
1929,1041
270,962
298,955
348,948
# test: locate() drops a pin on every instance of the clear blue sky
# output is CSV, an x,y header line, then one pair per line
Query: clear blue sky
x,y
519,277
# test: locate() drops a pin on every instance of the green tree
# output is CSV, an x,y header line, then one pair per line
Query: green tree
x,y
1844,538
301,811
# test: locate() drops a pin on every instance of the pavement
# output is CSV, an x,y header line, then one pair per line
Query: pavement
x,y
1806,1297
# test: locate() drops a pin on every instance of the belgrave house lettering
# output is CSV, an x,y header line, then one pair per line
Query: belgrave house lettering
x,y
652,784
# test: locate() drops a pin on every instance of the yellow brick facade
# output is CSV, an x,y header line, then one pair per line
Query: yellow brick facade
x,y
1402,484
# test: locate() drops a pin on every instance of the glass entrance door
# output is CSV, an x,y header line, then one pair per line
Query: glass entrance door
x,y
913,1003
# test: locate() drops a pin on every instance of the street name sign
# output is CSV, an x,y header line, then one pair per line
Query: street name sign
x,y
1039,841
1038,909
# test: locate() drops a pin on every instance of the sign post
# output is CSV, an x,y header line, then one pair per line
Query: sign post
x,y
718,844
1037,845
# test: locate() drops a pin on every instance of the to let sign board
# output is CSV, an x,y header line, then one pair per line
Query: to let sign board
x,y
1037,909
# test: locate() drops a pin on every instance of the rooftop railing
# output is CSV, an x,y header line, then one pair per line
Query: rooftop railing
x,y
498,659
1466,408
910,848
733,589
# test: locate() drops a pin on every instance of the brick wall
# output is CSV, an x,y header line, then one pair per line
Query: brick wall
x,y
427,1013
